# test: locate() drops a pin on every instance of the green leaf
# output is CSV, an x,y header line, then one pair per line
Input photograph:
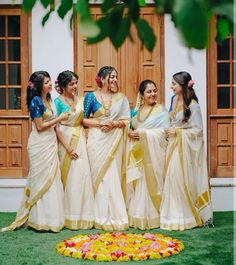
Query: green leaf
x,y
226,9
46,3
82,7
223,30
119,34
191,18
102,23
88,27
64,7
164,6
27,5
46,17
107,4
133,9
146,34
142,2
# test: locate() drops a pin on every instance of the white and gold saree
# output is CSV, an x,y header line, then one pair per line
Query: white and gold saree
x,y
76,175
145,168
186,199
42,206
105,152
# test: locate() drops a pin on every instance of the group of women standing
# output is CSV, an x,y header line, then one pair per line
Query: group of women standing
x,y
93,163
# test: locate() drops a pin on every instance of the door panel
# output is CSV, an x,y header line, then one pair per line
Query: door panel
x,y
132,62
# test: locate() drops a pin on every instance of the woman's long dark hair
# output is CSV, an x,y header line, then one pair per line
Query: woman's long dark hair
x,y
183,78
35,86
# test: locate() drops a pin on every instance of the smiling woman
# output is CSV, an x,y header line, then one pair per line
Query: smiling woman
x,y
42,204
74,163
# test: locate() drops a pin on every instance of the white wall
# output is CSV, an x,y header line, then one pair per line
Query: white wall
x,y
52,45
179,58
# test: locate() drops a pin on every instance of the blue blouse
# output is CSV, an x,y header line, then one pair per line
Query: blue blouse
x,y
36,108
61,106
171,103
133,113
91,105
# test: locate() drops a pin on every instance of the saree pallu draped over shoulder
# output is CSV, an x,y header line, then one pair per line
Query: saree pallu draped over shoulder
x,y
76,175
145,168
186,197
42,204
106,155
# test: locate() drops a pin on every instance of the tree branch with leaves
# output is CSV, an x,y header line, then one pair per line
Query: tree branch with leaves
x,y
190,17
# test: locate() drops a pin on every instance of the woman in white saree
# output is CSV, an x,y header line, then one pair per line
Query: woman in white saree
x,y
42,204
146,158
106,135
75,169
186,199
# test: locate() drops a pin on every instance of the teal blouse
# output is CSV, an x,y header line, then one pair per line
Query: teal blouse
x,y
61,106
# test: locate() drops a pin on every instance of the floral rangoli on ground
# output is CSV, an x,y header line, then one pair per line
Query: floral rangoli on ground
x,y
119,246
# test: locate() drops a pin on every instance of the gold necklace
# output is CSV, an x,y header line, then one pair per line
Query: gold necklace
x,y
106,107
149,113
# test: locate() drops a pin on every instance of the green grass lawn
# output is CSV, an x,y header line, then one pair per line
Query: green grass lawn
x,y
205,246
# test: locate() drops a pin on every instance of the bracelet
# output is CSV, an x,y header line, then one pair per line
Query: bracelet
x,y
50,125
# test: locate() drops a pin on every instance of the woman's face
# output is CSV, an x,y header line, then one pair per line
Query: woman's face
x,y
71,88
47,85
150,94
176,87
111,81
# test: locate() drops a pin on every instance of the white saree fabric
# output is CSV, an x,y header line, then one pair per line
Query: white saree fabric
x,y
105,152
76,175
146,160
42,206
186,199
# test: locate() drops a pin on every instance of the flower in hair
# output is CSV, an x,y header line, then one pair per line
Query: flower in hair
x,y
190,83
58,88
98,81
30,84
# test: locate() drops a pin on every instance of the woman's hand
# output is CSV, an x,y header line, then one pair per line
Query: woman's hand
x,y
64,116
170,131
73,154
106,126
133,134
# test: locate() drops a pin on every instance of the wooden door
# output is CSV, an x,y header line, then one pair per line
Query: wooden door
x,y
14,119
221,90
132,62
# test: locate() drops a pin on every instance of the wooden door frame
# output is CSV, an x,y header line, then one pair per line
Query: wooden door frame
x,y
162,48
15,116
213,114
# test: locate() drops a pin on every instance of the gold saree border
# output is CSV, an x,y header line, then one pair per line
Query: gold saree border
x,y
29,204
66,163
107,162
178,226
124,158
38,227
78,224
151,181
144,223
191,204
112,227
203,200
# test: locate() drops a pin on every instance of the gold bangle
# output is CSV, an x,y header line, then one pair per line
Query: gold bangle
x,y
50,125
